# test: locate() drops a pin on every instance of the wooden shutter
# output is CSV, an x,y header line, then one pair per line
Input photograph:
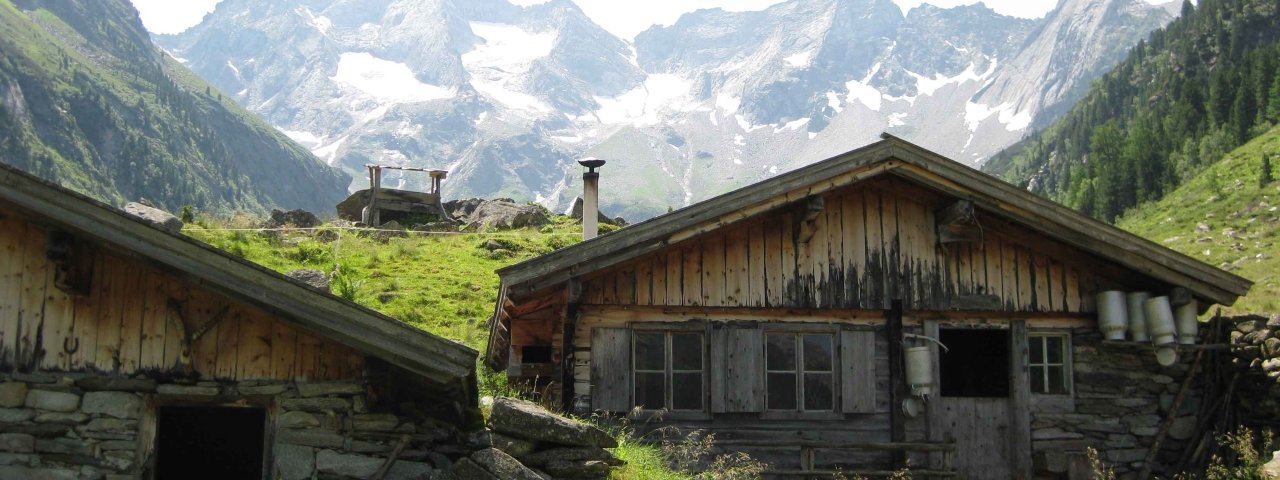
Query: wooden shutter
x,y
611,369
737,369
858,371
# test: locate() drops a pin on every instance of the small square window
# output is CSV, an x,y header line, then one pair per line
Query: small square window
x,y
1048,364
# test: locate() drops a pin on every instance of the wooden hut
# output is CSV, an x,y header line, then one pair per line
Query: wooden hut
x,y
779,317
132,352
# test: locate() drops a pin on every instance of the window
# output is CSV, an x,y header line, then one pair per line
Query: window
x,y
210,442
668,370
975,364
1048,363
799,373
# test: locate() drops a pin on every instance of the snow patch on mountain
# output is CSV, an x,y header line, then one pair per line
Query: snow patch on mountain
x,y
385,80
799,60
499,64
322,23
645,104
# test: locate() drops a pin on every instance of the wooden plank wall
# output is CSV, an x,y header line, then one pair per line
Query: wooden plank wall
x,y
871,244
133,318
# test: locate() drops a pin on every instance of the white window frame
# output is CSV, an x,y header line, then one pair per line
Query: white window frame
x,y
1043,363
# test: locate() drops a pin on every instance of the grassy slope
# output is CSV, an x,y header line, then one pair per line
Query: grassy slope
x,y
1241,217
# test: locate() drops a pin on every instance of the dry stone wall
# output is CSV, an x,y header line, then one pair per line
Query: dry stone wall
x,y
77,427
1121,397
1256,356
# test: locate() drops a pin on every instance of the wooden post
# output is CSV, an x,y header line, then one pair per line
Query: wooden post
x,y
1019,401
933,413
897,380
574,294
371,216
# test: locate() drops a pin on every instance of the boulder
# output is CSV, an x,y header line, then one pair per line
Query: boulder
x,y
528,420
505,214
466,469
516,447
154,216
403,470
297,218
314,278
502,465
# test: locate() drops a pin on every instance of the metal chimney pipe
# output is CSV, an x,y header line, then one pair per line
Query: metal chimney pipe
x,y
590,197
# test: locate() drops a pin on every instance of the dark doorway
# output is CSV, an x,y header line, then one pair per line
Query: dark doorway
x,y
976,363
209,442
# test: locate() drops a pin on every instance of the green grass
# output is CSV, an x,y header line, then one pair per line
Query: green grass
x,y
644,462
443,283
1224,217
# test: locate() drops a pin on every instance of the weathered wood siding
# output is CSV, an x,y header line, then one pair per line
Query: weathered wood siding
x,y
132,321
870,244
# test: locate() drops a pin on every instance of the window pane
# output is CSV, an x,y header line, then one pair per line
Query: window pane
x,y
780,352
1054,345
650,350
817,353
1037,350
686,351
818,394
1057,384
782,391
1037,379
686,391
649,390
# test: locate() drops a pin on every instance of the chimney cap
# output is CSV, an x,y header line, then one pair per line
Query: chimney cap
x,y
591,163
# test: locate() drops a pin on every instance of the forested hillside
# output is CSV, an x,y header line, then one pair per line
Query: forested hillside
x,y
1182,99
88,101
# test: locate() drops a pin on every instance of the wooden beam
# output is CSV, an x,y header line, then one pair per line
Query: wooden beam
x,y
1019,440
897,380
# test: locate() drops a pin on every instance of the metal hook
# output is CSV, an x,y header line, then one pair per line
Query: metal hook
x,y
70,349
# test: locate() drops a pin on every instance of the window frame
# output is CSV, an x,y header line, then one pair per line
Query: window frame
x,y
699,328
1052,402
797,331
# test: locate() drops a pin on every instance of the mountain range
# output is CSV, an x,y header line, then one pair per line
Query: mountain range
x,y
506,97
88,101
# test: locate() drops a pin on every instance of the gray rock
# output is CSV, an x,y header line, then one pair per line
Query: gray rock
x,y
53,401
67,446
15,459
39,378
528,420
43,473
315,278
119,445
505,214
402,470
294,462
465,469
13,394
154,217
297,419
16,415
268,389
115,404
73,418
329,461
295,218
375,422
502,465
117,384
542,458
320,389
584,469
311,438
516,447
1272,468
111,425
188,390
120,459
315,404
17,442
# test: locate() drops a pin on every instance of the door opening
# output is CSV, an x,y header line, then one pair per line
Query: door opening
x,y
210,442
976,363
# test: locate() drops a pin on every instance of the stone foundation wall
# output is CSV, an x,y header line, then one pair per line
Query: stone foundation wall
x,y
1256,350
1121,396
88,427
